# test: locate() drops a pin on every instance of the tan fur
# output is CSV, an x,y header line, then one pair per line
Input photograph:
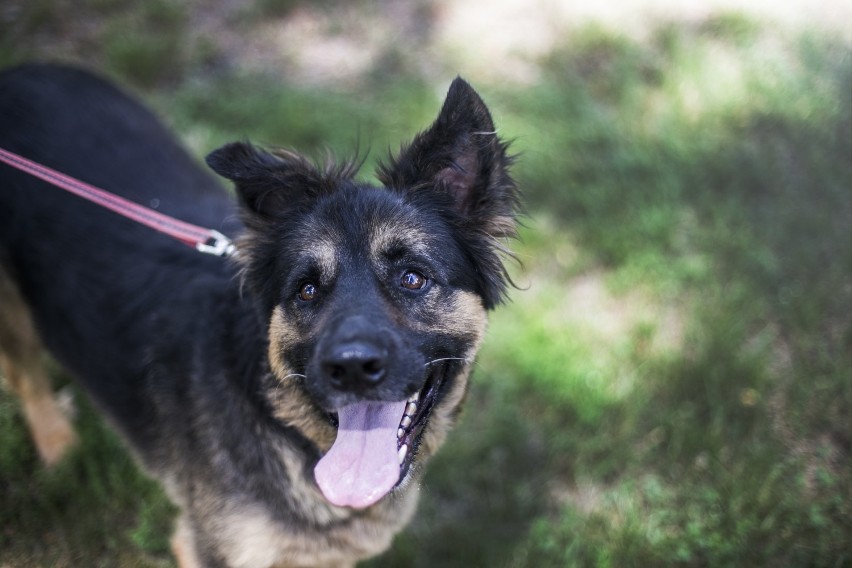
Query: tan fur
x,y
466,316
324,253
253,538
183,546
443,416
290,402
20,363
394,232
281,336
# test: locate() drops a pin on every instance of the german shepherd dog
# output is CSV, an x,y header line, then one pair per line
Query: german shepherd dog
x,y
287,399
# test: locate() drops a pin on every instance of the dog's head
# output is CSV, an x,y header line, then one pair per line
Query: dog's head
x,y
377,296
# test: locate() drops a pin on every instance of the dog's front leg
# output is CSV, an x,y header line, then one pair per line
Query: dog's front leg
x,y
183,545
21,365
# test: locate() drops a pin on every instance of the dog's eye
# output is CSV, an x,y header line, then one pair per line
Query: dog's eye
x,y
413,280
307,292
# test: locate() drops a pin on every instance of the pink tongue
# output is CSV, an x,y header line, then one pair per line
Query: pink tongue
x,y
362,465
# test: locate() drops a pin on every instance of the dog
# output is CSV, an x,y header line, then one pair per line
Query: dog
x,y
288,398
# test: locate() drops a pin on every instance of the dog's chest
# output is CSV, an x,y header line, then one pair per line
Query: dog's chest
x,y
251,537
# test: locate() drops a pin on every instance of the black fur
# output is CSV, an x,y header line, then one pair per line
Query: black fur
x,y
96,279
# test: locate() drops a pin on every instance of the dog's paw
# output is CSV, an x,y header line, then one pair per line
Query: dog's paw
x,y
50,424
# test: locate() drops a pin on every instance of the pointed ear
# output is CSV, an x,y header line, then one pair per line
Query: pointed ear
x,y
460,155
267,183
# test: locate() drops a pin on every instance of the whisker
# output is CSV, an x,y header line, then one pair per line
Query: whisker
x,y
285,377
447,359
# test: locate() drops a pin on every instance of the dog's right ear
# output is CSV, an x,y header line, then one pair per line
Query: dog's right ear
x,y
461,156
267,183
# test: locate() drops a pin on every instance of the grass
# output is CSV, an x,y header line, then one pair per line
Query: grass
x,y
671,387
94,509
144,45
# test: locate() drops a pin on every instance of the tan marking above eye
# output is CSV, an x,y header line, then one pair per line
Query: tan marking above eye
x,y
396,234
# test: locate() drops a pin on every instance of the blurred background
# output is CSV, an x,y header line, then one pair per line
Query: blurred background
x,y
671,384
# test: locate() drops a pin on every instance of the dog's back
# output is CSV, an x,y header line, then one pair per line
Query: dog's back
x,y
81,125
86,275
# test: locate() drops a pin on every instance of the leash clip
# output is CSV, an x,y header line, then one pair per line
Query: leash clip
x,y
217,245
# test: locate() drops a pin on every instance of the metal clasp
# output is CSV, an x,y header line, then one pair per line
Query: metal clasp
x,y
217,245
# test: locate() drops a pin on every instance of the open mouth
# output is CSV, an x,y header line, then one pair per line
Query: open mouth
x,y
375,447
414,418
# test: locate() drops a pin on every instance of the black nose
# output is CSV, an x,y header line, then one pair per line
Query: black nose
x,y
355,366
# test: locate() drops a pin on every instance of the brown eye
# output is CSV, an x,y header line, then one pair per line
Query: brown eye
x,y
413,280
307,292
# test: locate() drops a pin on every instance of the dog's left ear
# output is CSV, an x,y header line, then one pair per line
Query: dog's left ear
x,y
461,155
269,183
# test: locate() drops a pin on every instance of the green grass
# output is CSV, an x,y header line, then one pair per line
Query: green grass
x,y
94,509
316,122
670,387
144,45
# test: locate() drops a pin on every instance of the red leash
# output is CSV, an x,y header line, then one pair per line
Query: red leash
x,y
204,240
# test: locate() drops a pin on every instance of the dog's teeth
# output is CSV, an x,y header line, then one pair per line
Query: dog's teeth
x,y
410,409
400,433
403,451
406,421
415,397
